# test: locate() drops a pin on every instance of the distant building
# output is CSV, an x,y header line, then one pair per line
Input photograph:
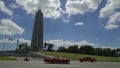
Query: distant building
x,y
37,35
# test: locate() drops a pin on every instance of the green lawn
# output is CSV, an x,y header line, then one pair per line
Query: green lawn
x,y
6,58
77,56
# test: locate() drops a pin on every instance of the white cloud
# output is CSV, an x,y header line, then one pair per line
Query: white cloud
x,y
81,6
66,43
110,8
79,24
7,41
4,9
66,20
111,12
65,17
112,23
12,41
22,40
112,47
8,27
50,8
111,26
13,5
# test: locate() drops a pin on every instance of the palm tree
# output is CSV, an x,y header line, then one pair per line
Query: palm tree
x,y
48,46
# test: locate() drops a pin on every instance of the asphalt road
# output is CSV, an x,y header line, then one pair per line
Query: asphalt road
x,y
72,64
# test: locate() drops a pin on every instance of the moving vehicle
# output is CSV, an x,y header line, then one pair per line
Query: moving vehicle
x,y
56,60
87,59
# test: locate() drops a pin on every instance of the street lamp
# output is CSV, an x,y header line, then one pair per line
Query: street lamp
x,y
4,40
16,49
63,43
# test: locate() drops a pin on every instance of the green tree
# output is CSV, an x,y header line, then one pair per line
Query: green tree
x,y
45,45
48,46
99,51
62,49
113,52
107,52
24,47
87,49
73,49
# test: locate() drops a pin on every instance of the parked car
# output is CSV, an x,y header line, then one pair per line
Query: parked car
x,y
56,60
87,59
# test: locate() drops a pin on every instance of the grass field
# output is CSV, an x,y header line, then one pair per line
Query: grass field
x,y
6,58
77,56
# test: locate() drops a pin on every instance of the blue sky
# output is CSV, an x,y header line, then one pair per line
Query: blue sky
x,y
81,22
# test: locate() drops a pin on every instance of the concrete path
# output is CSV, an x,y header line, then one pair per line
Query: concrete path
x,y
73,64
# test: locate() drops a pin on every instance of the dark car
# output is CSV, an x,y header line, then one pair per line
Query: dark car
x,y
56,60
87,59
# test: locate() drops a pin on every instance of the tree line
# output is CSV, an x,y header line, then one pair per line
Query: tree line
x,y
90,50
86,49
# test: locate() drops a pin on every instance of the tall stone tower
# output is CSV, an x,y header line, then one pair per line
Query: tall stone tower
x,y
37,35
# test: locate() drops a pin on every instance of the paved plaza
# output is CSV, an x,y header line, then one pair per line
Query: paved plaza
x,y
72,64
